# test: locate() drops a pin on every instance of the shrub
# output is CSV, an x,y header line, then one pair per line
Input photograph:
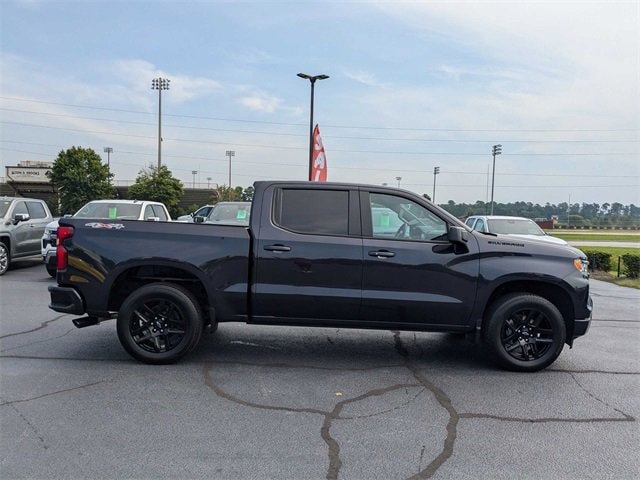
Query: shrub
x,y
631,265
598,260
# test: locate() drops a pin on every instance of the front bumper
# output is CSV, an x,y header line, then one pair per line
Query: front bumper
x,y
66,300
581,325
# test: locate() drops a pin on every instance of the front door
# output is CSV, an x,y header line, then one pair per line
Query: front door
x,y
412,274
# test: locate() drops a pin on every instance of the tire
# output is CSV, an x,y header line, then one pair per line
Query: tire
x,y
159,323
524,332
5,258
51,270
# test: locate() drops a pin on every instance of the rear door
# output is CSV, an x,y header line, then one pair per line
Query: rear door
x,y
308,255
412,274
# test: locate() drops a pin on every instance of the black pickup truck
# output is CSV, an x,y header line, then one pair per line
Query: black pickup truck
x,y
323,254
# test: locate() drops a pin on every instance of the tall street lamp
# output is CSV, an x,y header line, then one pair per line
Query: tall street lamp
x,y
312,79
497,150
160,84
208,182
194,173
108,151
230,153
436,171
398,179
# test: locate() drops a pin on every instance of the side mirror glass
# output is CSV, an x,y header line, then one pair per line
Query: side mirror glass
x,y
457,235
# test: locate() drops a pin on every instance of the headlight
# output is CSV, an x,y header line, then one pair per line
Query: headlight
x,y
582,265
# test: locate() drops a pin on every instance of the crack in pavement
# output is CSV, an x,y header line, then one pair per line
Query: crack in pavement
x,y
627,418
592,395
42,325
43,444
335,463
39,341
382,412
606,372
13,402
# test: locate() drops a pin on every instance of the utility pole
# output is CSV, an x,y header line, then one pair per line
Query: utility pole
x,y
398,179
312,79
497,150
194,173
208,182
160,84
230,153
436,171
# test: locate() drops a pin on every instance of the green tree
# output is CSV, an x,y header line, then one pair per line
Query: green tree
x,y
80,177
158,186
226,194
247,194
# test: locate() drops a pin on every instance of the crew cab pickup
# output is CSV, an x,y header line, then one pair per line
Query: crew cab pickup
x,y
323,254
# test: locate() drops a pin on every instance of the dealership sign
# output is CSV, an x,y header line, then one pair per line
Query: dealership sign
x,y
27,174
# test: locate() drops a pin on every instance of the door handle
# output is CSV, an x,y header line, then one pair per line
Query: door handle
x,y
32,226
381,254
277,248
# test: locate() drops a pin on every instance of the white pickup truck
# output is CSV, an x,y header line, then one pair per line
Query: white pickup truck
x,y
103,209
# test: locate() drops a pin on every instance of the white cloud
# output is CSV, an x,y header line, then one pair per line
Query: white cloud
x,y
363,77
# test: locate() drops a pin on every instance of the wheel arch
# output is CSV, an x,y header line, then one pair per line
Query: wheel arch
x,y
555,293
137,274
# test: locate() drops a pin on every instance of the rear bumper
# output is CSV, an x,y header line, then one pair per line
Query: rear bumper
x,y
66,300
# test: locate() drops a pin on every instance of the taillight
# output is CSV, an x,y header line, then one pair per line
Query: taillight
x,y
61,252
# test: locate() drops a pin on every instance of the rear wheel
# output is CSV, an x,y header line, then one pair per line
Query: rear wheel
x,y
524,332
5,258
51,270
159,323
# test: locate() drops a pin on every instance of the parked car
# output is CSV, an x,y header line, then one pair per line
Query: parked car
x,y
514,226
311,257
201,212
103,209
228,213
23,222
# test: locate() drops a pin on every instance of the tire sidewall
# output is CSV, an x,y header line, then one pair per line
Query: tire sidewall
x,y
503,310
5,250
188,307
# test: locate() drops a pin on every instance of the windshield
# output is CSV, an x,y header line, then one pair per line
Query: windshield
x,y
125,211
4,206
514,227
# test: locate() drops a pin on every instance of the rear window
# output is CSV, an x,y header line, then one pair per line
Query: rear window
x,y
122,211
317,212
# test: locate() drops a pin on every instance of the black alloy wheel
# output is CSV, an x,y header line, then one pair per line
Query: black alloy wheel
x,y
159,323
524,332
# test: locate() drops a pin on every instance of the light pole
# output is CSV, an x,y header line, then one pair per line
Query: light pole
x,y
208,182
230,153
194,173
398,179
312,79
497,150
108,151
436,171
160,84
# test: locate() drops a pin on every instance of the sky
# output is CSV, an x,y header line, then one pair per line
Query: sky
x,y
413,86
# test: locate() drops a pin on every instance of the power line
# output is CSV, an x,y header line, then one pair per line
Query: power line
x,y
367,127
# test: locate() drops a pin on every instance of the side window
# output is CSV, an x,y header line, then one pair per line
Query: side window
x,y
36,210
159,212
401,219
480,226
148,212
21,207
469,222
317,212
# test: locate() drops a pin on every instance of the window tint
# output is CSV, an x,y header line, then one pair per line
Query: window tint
x,y
402,219
320,212
469,222
110,210
480,226
21,207
36,210
159,212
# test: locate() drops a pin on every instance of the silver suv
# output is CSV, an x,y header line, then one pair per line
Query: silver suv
x,y
23,221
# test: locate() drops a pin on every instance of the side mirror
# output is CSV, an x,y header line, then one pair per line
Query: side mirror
x,y
457,235
67,215
152,219
199,219
20,217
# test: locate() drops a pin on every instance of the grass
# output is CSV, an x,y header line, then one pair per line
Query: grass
x,y
598,237
611,278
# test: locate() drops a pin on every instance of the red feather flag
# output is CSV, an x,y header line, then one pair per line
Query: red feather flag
x,y
319,159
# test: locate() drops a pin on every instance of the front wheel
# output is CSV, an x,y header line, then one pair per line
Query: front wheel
x,y
159,323
524,332
5,258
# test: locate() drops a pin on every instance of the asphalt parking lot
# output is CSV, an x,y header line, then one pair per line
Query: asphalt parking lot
x,y
256,402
